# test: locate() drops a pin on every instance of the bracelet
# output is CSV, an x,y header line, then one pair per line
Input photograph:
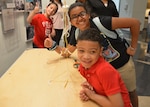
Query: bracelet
x,y
133,49
53,47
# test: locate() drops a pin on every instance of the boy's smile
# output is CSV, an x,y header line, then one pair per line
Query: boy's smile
x,y
88,52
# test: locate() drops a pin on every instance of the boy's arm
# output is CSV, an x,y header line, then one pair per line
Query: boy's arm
x,y
32,13
114,100
65,52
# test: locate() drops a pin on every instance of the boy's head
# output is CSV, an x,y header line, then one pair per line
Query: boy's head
x,y
89,47
91,34
82,1
51,8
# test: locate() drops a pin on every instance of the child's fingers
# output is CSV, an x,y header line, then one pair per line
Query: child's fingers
x,y
48,42
36,8
83,96
86,85
37,4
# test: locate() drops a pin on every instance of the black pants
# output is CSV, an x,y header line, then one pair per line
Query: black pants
x,y
34,46
148,48
57,37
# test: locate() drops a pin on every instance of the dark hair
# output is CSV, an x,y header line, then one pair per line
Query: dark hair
x,y
55,4
91,34
79,1
60,2
77,4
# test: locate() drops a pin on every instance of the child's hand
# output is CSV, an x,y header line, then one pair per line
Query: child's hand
x,y
86,94
87,85
83,96
37,8
131,51
48,42
64,52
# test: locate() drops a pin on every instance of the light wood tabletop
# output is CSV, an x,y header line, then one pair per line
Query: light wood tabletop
x,y
42,78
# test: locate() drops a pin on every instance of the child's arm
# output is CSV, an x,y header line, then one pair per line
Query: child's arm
x,y
65,52
114,100
134,26
32,13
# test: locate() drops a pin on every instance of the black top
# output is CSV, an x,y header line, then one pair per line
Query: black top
x,y
118,44
97,8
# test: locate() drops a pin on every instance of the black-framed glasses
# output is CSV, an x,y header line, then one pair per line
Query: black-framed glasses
x,y
75,16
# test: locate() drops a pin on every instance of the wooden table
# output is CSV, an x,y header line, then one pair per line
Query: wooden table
x,y
42,78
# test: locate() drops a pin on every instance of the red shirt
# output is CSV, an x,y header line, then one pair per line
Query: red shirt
x,y
106,80
42,29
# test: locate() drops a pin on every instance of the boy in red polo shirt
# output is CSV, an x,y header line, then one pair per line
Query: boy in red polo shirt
x,y
104,84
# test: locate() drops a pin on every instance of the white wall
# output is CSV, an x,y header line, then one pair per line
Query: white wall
x,y
139,11
117,2
126,8
134,8
13,43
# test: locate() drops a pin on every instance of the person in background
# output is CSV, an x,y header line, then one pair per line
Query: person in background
x,y
100,7
31,6
103,82
148,35
80,18
43,26
58,22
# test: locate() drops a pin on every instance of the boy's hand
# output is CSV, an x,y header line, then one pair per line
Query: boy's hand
x,y
87,85
48,42
83,96
37,8
86,94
